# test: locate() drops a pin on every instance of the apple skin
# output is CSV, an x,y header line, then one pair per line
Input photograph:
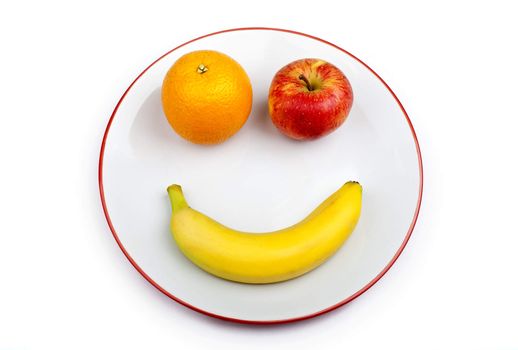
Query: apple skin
x,y
304,114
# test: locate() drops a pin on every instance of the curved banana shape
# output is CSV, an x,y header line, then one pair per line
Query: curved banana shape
x,y
265,257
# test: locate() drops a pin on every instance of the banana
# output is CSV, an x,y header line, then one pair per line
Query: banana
x,y
265,257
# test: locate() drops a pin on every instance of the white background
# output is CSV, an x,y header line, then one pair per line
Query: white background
x,y
64,282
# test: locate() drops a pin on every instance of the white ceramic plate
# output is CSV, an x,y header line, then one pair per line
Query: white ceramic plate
x,y
259,180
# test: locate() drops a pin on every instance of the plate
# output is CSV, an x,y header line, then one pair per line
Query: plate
x,y
259,180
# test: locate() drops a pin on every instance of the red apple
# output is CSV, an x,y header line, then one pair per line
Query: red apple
x,y
309,98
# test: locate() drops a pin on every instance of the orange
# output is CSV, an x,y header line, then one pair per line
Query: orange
x,y
206,97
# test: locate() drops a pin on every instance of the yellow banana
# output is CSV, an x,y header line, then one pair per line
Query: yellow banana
x,y
265,257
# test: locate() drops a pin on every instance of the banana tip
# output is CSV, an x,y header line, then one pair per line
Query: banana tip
x,y
356,183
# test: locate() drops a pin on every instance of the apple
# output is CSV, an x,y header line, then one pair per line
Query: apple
x,y
309,98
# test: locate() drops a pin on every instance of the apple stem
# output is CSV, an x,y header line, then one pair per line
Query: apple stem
x,y
308,85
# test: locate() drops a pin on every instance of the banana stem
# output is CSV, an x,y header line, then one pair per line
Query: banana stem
x,y
176,197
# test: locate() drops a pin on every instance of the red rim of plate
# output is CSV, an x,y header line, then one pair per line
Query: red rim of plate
x,y
262,322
